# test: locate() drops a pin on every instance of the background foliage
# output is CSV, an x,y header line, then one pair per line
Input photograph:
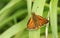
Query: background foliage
x,y
14,17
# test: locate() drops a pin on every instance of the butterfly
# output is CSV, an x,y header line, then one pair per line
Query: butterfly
x,y
36,22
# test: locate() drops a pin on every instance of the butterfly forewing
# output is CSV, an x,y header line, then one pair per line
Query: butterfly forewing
x,y
31,24
42,20
36,22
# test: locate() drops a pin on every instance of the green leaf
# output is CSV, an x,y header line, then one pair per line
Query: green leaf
x,y
38,7
53,17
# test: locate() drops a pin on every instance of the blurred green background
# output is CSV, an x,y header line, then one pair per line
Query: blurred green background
x,y
13,19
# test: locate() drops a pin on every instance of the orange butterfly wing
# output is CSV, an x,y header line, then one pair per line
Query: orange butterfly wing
x,y
31,24
42,20
36,24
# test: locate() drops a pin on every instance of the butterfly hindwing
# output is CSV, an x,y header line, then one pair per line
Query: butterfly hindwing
x,y
36,22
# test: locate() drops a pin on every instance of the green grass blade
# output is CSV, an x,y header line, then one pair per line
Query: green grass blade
x,y
34,33
15,20
29,5
10,7
58,8
17,14
47,27
53,17
38,7
14,29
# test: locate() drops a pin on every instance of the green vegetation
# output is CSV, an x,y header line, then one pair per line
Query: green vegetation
x,y
15,14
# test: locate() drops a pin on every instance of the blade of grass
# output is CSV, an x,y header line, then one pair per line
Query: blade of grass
x,y
3,3
23,35
58,8
47,26
29,5
53,17
29,11
19,34
15,29
15,20
17,14
50,35
38,7
10,7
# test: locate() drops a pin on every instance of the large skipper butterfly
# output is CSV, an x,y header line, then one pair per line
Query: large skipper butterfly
x,y
36,22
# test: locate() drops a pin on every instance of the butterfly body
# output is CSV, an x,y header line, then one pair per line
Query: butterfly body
x,y
36,22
